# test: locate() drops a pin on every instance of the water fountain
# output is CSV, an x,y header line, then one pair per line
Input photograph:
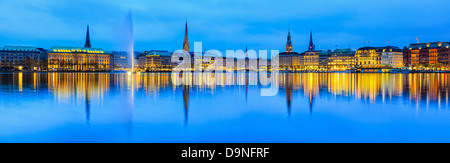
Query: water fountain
x,y
130,40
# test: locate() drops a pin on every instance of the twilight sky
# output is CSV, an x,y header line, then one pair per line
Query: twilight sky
x,y
224,24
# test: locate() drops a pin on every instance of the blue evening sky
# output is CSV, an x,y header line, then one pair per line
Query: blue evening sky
x,y
224,24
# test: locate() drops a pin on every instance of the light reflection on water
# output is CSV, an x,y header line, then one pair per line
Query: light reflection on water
x,y
309,107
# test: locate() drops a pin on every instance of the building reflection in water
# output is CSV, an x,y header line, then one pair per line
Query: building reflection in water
x,y
88,104
186,103
90,88
289,90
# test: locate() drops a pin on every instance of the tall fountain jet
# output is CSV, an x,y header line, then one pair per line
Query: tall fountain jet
x,y
130,39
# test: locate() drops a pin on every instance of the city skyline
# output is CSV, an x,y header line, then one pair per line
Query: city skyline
x,y
61,25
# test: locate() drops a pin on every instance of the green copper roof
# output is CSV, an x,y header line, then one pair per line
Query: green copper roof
x,y
158,52
60,49
344,51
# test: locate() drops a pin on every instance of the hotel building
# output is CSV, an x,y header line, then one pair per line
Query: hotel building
x,y
392,57
342,59
372,57
155,60
78,58
431,55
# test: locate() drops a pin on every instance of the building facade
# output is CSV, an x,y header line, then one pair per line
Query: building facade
x,y
392,57
78,59
121,60
289,60
342,59
433,55
324,60
22,58
311,56
155,60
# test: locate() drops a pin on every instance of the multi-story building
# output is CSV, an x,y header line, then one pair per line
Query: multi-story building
x,y
311,57
431,55
289,60
324,60
311,60
372,57
342,59
120,60
22,58
156,60
392,57
78,58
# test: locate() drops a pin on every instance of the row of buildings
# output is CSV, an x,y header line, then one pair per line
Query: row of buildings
x,y
434,55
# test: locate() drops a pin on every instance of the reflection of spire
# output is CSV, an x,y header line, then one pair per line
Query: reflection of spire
x,y
186,103
186,39
289,90
246,87
88,102
311,102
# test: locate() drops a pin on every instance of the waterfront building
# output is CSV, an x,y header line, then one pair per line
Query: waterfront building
x,y
78,58
289,47
392,57
155,60
311,57
22,58
372,57
289,60
324,60
342,59
120,60
433,55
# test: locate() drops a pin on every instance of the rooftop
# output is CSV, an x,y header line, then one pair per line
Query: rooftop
x,y
18,48
430,45
343,51
61,49
380,49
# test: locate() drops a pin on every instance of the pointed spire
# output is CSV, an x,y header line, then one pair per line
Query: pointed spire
x,y
186,39
289,42
88,39
311,47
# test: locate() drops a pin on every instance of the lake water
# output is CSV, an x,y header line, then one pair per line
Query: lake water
x,y
309,107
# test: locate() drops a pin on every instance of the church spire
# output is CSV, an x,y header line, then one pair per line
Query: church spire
x,y
311,47
88,39
186,39
289,42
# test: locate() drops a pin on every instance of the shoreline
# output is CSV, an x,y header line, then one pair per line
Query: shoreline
x,y
281,72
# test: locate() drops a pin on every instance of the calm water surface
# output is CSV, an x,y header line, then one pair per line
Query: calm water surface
x,y
309,107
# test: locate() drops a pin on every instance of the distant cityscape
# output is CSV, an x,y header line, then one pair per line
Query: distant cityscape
x,y
417,57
